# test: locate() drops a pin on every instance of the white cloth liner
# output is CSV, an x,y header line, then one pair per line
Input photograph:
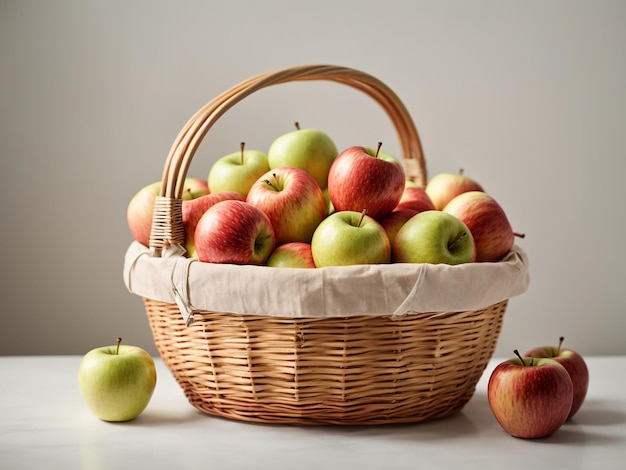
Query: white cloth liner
x,y
390,289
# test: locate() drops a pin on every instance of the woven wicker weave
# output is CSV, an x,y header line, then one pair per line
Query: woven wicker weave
x,y
353,370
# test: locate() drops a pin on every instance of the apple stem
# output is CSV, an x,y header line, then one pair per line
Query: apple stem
x,y
516,352
273,185
362,217
461,170
380,144
242,145
297,124
519,234
558,350
457,240
117,349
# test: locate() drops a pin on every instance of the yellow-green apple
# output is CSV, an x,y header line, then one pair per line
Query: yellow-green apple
x,y
292,200
347,238
117,382
309,149
141,206
490,227
393,221
416,199
194,209
234,232
530,398
433,237
443,187
363,178
237,171
574,365
292,255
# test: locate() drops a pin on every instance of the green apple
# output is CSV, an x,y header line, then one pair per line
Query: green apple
x,y
237,171
349,237
117,381
433,237
309,149
443,187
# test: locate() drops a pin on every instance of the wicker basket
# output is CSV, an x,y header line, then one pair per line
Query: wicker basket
x,y
357,369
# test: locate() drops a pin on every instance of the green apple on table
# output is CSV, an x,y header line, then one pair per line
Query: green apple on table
x,y
433,237
116,382
348,238
237,171
309,149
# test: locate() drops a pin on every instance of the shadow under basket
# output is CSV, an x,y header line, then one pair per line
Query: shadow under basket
x,y
350,371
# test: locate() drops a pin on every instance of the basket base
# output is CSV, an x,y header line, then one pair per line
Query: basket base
x,y
359,370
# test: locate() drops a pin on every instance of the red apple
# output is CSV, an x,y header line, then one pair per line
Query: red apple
x,y
292,255
364,178
394,221
530,398
234,232
575,366
141,206
485,218
444,187
292,200
415,198
194,209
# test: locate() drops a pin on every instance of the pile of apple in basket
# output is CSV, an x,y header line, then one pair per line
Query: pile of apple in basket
x,y
303,204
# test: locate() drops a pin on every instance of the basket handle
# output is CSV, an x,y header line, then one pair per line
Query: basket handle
x,y
167,227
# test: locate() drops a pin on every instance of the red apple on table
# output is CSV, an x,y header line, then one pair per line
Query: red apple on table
x,y
393,221
433,237
234,232
292,255
365,178
485,218
194,209
575,366
237,171
347,238
141,206
416,199
530,398
443,187
292,200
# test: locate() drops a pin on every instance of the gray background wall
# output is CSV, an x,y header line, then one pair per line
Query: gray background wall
x,y
528,97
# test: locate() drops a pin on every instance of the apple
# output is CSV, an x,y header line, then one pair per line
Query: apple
x,y
292,255
292,200
194,209
234,232
117,381
416,199
347,238
365,178
529,397
141,206
393,221
237,171
574,365
433,237
443,187
490,227
309,149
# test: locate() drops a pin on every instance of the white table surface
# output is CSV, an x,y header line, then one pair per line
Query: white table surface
x,y
44,424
